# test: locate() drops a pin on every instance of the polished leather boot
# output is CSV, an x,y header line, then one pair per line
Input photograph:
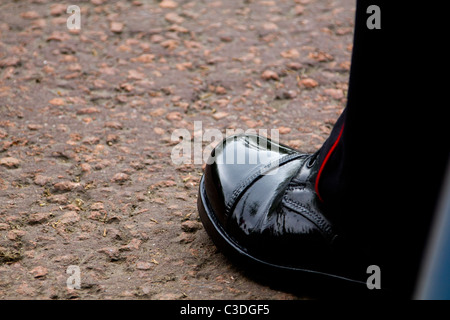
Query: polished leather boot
x,y
257,202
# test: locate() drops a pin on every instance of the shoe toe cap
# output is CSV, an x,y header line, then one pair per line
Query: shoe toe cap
x,y
238,161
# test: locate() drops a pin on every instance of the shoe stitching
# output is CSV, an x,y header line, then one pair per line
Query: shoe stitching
x,y
299,186
323,225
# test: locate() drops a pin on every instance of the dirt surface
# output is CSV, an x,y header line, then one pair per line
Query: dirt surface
x,y
86,123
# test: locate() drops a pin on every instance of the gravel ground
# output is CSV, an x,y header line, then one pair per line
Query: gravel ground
x,y
87,177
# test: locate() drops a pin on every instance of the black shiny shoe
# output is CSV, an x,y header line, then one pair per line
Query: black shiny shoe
x,y
258,204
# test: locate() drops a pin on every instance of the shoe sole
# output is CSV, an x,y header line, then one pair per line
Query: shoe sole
x,y
271,273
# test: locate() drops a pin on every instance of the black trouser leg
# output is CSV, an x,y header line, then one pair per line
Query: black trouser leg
x,y
382,166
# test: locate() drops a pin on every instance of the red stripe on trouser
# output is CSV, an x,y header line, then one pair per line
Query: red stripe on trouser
x,y
325,162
